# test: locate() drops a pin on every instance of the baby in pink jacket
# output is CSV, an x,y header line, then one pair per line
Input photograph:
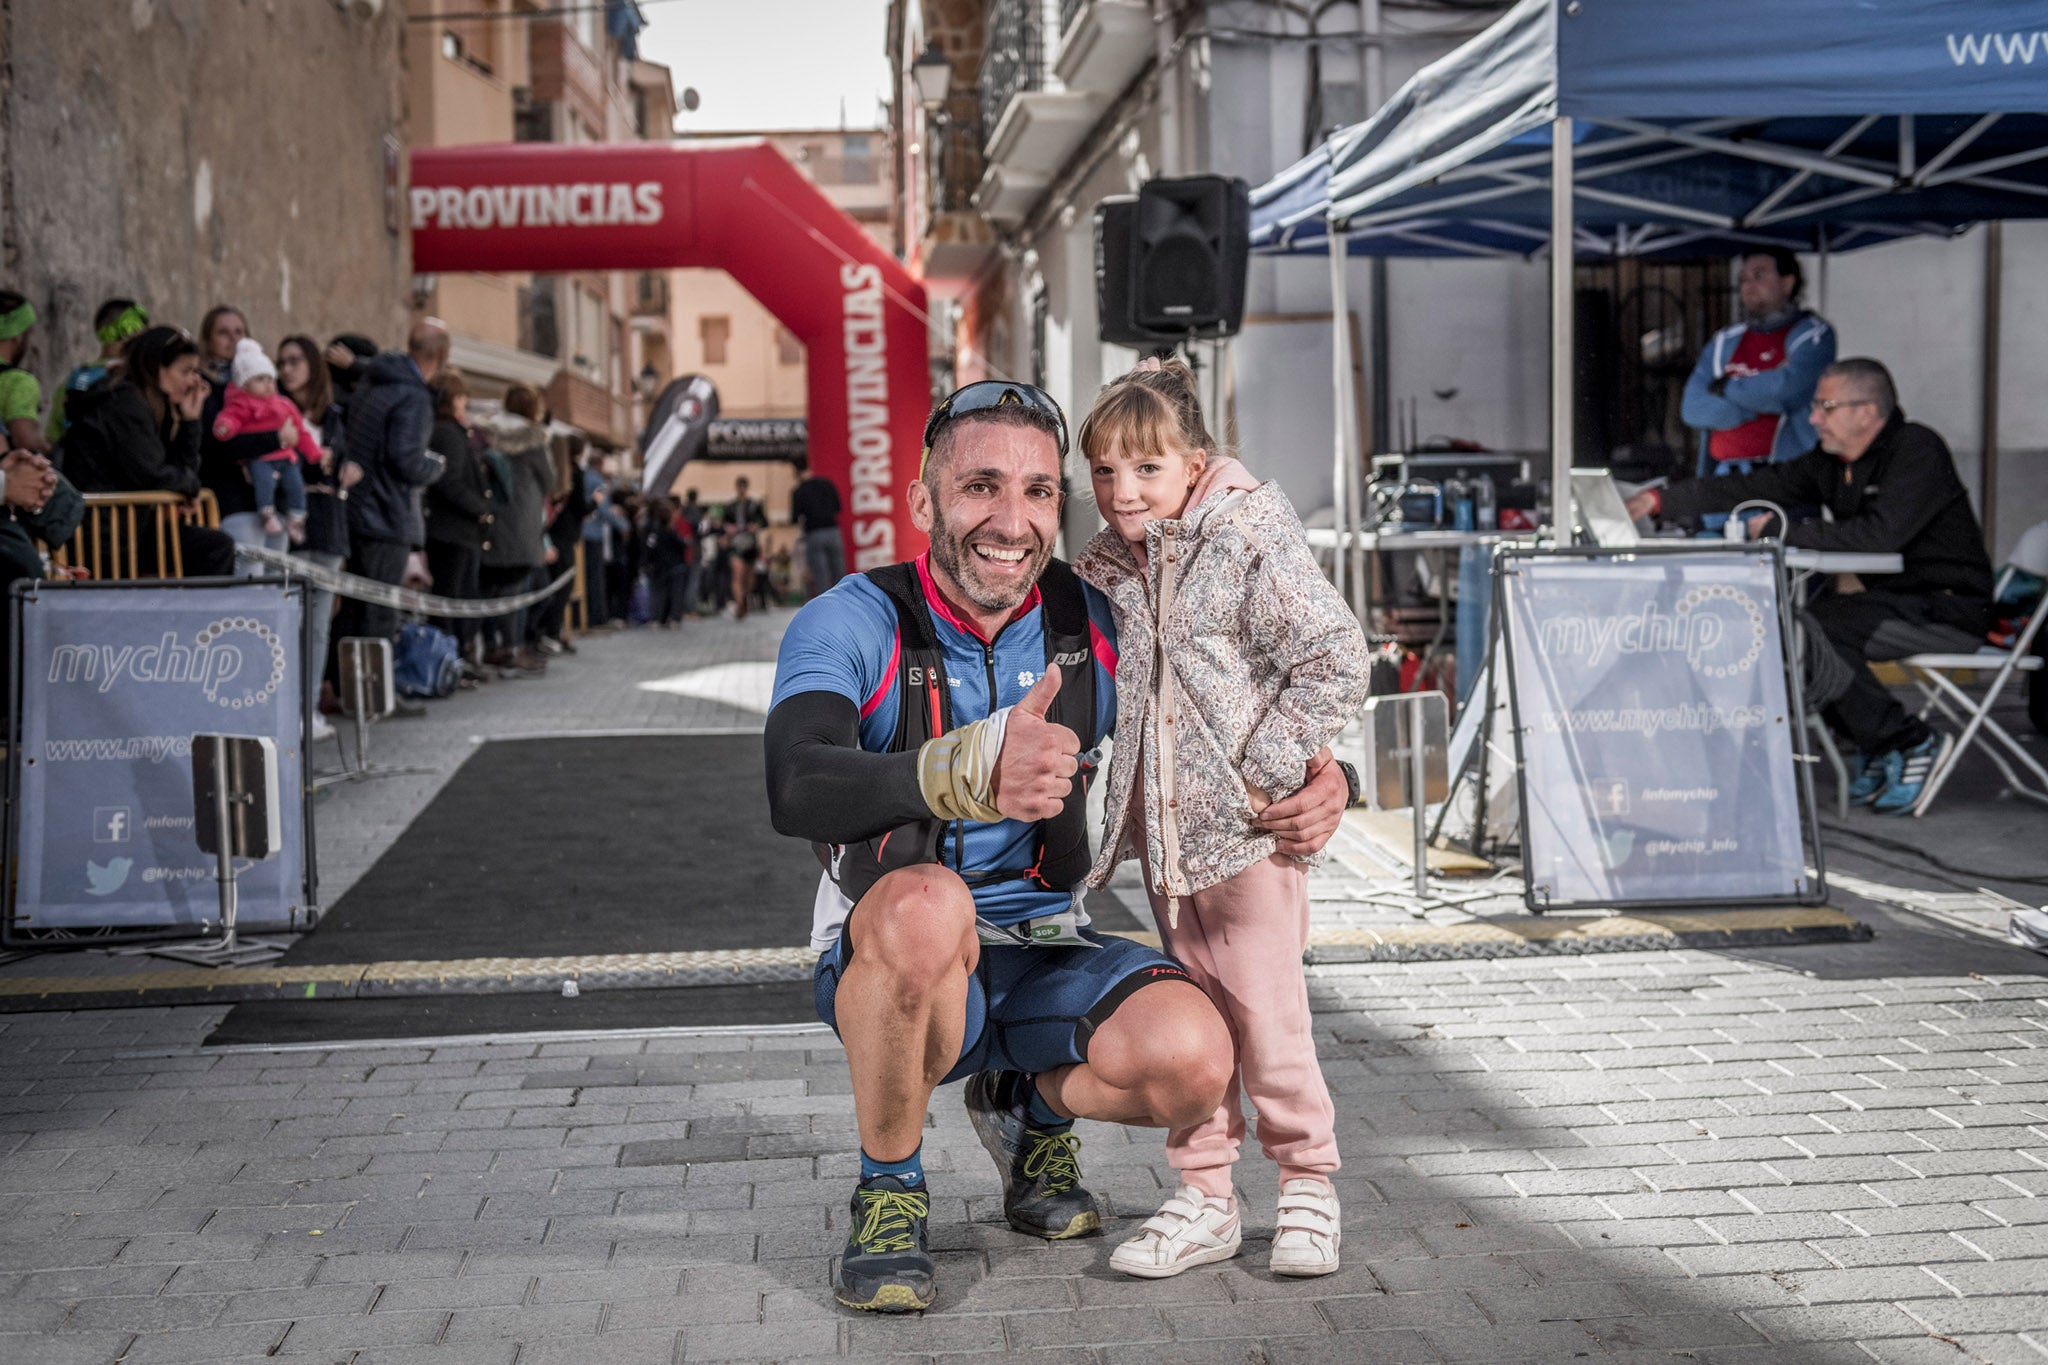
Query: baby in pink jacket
x,y
253,404
1239,662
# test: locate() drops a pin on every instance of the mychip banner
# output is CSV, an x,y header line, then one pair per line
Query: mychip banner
x,y
113,681
1656,726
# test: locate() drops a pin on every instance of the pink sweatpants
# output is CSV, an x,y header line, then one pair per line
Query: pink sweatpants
x,y
1242,941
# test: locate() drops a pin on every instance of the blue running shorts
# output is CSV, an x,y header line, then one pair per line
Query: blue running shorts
x,y
1030,1009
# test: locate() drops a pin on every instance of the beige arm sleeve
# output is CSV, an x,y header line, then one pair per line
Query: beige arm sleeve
x,y
957,771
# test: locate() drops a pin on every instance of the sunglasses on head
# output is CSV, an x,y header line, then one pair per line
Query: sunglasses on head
x,y
984,394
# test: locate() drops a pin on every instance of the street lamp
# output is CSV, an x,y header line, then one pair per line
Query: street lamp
x,y
933,74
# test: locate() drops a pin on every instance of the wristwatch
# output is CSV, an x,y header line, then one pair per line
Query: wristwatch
x,y
1350,782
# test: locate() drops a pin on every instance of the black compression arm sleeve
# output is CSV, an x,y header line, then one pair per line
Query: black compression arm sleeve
x,y
823,786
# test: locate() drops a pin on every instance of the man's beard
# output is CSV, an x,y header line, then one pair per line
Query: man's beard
x,y
963,566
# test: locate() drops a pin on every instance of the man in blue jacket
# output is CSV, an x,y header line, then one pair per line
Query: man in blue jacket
x,y
1750,391
390,418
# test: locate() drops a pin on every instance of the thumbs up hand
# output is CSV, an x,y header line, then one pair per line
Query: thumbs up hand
x,y
1036,768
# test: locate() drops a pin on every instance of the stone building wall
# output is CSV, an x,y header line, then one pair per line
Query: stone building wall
x,y
189,152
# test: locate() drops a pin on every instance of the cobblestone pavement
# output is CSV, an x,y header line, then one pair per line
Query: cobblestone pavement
x,y
1642,1157
1655,1156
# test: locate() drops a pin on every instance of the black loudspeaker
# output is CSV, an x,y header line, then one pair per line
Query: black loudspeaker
x,y
1115,220
1189,247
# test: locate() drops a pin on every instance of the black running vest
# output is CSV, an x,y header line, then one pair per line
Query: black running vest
x,y
924,711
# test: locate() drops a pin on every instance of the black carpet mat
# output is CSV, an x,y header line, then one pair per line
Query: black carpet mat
x,y
271,1022
568,846
536,847
573,846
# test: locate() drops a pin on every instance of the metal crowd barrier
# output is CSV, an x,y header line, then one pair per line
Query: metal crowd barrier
x,y
118,528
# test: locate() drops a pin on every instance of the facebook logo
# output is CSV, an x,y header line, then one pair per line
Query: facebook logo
x,y
111,824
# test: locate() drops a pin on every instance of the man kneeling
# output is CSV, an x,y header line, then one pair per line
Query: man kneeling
x,y
928,726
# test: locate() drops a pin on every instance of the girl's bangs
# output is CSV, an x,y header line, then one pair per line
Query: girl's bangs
x,y
1132,418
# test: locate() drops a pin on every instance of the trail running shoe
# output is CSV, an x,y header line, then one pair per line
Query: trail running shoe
x,y
1906,772
1042,1192
885,1268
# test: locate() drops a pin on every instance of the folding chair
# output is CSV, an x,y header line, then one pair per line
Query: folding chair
x,y
1931,673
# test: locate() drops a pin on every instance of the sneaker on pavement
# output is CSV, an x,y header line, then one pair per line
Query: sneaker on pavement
x,y
1906,772
408,709
323,728
1310,1226
1190,1229
1866,779
885,1268
1042,1192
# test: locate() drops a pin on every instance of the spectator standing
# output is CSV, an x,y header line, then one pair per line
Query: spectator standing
x,y
114,322
219,331
703,547
138,431
458,509
568,505
21,398
222,462
601,530
390,419
347,356
671,567
253,404
1749,392
740,529
304,377
814,506
628,557
513,553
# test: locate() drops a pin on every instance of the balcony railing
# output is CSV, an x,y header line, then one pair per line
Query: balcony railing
x,y
955,164
1016,57
650,294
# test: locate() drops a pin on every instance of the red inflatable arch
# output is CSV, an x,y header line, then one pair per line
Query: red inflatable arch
x,y
741,207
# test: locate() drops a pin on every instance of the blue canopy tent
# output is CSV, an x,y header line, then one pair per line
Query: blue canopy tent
x,y
1668,127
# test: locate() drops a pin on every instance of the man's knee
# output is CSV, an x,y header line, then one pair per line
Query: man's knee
x,y
917,924
1169,1042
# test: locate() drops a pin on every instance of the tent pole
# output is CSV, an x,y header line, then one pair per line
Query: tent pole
x,y
1994,288
1562,343
1340,388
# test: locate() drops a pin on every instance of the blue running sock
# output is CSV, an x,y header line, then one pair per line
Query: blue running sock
x,y
910,1170
1037,1112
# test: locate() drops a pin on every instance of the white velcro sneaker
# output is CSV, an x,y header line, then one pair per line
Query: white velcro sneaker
x,y
1310,1226
1190,1229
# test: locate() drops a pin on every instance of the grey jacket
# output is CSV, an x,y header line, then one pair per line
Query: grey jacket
x,y
1263,664
516,532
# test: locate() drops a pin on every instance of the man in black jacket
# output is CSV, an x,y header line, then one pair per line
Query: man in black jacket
x,y
390,418
1890,486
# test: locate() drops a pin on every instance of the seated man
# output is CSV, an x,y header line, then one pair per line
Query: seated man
x,y
1891,488
928,723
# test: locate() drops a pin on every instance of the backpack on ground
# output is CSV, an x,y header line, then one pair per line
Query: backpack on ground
x,y
426,662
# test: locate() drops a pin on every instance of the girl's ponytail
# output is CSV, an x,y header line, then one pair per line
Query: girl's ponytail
x,y
1158,404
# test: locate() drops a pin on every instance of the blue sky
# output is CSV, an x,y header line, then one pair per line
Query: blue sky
x,y
772,63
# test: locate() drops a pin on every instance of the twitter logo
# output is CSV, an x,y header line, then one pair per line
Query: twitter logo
x,y
105,881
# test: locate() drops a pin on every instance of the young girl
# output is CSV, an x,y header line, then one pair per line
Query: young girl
x,y
254,404
1238,662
